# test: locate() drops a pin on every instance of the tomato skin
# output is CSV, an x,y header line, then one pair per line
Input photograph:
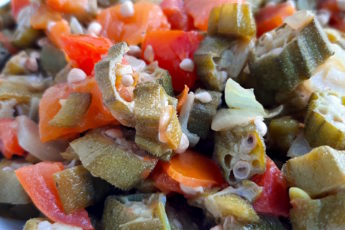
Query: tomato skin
x,y
170,48
147,17
17,6
271,17
274,199
37,180
96,116
8,137
163,181
176,14
84,51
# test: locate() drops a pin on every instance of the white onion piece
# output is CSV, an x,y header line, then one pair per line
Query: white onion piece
x,y
299,146
29,140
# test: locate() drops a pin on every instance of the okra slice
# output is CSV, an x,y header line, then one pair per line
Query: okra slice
x,y
288,55
52,59
324,124
11,192
105,74
72,110
218,58
78,189
232,20
318,172
265,223
139,211
282,132
318,214
16,64
21,92
119,162
204,108
240,153
156,120
35,224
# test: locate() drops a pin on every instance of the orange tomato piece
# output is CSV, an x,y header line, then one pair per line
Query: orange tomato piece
x,y
176,14
42,16
8,138
84,51
193,169
163,181
56,32
37,181
96,116
270,17
200,10
147,17
76,7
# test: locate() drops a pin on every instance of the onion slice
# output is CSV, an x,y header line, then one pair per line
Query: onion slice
x,y
29,140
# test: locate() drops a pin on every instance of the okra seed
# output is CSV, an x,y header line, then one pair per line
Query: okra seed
x,y
184,144
94,28
127,9
44,225
204,97
241,170
149,55
261,127
31,64
76,75
187,64
127,80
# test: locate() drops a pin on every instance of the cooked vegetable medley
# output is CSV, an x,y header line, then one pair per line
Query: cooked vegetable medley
x,y
172,114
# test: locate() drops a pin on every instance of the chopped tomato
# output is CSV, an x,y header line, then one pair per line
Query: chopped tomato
x,y
96,116
42,16
147,17
57,30
163,181
272,16
200,10
176,14
337,19
170,48
17,6
330,5
84,51
75,7
274,199
8,138
193,170
37,181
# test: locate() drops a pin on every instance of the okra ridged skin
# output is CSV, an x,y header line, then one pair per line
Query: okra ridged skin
x,y
201,115
111,161
231,146
283,71
324,124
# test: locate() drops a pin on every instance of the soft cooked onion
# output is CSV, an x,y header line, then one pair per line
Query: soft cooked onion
x,y
29,140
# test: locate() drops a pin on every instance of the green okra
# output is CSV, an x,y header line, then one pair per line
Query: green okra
x,y
72,110
52,59
119,162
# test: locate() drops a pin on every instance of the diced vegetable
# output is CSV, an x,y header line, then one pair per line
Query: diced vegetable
x,y
218,58
81,8
9,138
274,199
96,116
147,17
72,110
37,181
163,181
240,152
11,192
320,214
288,55
308,171
266,222
324,124
39,223
52,59
232,20
272,16
176,14
77,189
84,51
119,162
56,32
170,48
42,16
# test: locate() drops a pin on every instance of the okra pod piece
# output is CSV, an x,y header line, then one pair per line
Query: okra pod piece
x,y
119,162
240,153
72,110
21,92
139,211
77,189
202,112
286,56
159,75
232,20
52,59
16,64
105,74
218,58
324,124
282,132
156,120
318,214
319,172
11,192
265,223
